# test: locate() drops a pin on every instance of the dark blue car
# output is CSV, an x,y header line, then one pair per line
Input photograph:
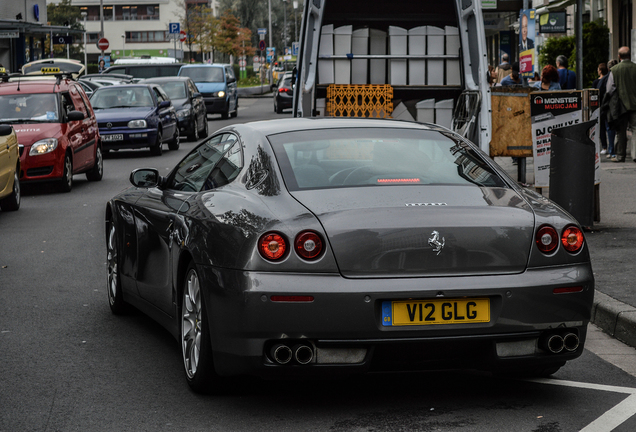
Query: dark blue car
x,y
135,116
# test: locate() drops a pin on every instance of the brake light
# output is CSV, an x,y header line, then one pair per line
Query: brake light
x,y
308,245
284,90
572,239
547,239
272,246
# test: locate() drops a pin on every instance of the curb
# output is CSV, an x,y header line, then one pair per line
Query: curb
x,y
615,318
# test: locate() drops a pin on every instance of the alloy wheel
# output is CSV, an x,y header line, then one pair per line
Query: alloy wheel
x,y
191,324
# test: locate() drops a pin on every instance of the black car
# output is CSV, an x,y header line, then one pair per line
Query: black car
x,y
189,104
283,94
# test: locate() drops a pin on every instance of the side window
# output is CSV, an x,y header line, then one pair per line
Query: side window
x,y
229,167
193,172
229,73
87,111
67,103
159,96
192,88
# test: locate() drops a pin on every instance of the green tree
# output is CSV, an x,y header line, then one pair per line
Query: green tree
x,y
595,50
64,14
194,21
230,38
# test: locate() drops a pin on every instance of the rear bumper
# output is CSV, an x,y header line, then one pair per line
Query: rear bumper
x,y
347,314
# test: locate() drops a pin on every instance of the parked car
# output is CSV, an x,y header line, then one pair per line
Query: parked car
x,y
136,116
217,84
108,79
311,246
89,86
55,122
283,94
188,103
9,169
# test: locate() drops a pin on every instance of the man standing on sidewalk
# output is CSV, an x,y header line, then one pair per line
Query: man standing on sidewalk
x,y
622,78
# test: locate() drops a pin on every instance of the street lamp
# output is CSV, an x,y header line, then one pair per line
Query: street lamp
x,y
123,38
295,3
84,14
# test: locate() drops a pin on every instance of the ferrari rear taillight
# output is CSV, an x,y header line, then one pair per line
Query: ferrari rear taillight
x,y
572,239
308,245
272,246
547,239
283,90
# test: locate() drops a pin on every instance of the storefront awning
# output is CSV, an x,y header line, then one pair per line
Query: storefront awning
x,y
28,27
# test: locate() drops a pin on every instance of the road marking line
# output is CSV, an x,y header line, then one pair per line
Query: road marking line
x,y
613,417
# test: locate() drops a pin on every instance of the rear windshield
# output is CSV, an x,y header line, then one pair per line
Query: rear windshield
x,y
204,74
121,97
372,157
175,90
29,108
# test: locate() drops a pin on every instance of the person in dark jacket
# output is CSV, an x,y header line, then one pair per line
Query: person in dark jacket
x,y
622,79
602,72
567,78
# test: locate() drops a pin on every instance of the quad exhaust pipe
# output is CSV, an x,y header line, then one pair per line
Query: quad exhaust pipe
x,y
555,343
301,353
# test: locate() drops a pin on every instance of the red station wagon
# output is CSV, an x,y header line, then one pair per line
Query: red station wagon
x,y
56,129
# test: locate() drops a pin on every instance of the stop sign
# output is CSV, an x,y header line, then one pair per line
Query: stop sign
x,y
103,44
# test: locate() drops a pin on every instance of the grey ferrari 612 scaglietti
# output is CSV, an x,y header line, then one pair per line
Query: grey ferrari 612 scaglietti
x,y
302,247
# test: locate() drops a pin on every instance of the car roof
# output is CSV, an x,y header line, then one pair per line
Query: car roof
x,y
218,65
272,127
43,85
164,79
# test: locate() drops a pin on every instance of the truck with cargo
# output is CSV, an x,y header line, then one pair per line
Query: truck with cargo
x,y
419,60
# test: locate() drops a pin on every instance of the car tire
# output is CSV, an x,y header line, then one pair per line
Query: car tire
x,y
97,172
279,110
196,347
235,112
176,140
66,184
194,133
225,114
205,133
115,295
157,148
12,202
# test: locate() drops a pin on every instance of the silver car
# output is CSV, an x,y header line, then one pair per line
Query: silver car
x,y
304,247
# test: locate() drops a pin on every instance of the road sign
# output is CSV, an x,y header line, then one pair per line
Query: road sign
x,y
183,36
261,45
242,63
262,31
174,27
103,44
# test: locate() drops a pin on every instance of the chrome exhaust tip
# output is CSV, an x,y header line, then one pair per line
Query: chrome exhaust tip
x,y
555,344
282,354
571,342
303,354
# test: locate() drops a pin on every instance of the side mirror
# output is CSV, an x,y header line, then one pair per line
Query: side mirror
x,y
5,130
145,177
164,104
75,116
231,80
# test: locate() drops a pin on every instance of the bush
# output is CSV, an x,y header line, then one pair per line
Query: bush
x,y
595,50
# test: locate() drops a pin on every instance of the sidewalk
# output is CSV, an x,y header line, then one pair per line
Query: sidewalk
x,y
612,243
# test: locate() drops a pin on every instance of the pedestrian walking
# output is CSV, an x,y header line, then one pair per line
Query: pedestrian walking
x,y
514,79
611,131
504,69
549,79
567,78
622,80
598,84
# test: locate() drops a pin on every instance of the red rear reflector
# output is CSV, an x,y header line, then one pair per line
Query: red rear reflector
x,y
308,245
547,239
272,246
405,180
567,290
292,299
572,239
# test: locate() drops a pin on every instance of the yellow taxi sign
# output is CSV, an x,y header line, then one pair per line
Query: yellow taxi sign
x,y
50,70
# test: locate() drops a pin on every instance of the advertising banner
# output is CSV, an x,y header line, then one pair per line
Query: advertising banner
x,y
553,22
550,110
527,33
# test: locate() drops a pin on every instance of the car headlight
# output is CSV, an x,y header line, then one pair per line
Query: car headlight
x,y
44,146
221,93
183,113
137,124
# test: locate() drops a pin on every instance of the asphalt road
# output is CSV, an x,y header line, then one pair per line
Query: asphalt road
x,y
68,364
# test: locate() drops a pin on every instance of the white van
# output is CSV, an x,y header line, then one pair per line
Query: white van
x,y
419,60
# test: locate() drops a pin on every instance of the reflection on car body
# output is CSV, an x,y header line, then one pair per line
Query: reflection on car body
x,y
289,248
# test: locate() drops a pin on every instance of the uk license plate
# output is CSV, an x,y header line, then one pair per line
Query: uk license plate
x,y
437,311
113,137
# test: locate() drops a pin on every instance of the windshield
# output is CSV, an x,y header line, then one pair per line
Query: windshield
x,y
378,157
63,66
122,97
204,74
29,107
175,90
